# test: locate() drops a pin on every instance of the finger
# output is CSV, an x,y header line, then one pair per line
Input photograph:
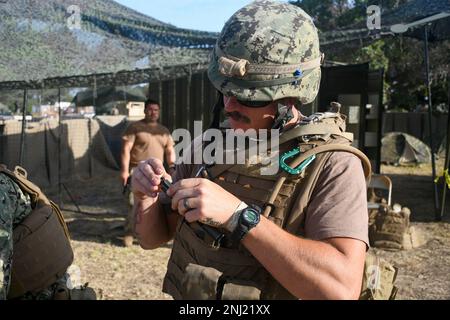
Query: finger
x,y
140,188
156,165
148,172
181,194
168,177
143,185
184,184
192,205
192,216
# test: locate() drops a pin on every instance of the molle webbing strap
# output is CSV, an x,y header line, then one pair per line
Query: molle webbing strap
x,y
217,170
335,148
315,129
20,177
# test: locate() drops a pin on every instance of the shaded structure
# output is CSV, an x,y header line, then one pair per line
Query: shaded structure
x,y
104,95
431,23
427,20
58,44
93,44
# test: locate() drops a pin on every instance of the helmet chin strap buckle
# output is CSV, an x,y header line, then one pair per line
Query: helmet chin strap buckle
x,y
283,116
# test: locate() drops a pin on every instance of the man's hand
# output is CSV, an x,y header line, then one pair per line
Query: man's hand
x,y
147,178
124,175
206,201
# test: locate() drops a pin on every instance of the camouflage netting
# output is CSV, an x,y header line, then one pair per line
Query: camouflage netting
x,y
411,11
40,40
86,148
121,46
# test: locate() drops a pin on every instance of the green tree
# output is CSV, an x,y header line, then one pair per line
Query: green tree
x,y
402,58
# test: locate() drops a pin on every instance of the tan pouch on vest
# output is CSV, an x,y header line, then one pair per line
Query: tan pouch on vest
x,y
42,251
204,283
240,290
390,229
379,279
200,283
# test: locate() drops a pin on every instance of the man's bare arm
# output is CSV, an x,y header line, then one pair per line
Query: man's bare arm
x,y
331,269
154,226
125,160
170,155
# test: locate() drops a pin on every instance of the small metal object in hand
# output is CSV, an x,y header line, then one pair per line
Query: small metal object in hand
x,y
212,232
165,184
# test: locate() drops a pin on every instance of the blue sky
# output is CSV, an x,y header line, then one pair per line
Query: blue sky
x,y
205,15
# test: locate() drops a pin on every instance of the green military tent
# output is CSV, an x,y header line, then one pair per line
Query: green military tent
x,y
400,148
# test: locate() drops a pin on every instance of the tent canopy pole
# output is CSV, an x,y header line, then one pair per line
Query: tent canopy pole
x,y
430,123
24,124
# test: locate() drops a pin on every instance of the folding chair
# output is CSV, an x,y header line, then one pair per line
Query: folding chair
x,y
381,182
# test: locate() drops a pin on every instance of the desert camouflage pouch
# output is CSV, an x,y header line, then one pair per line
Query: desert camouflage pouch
x,y
204,283
379,279
390,228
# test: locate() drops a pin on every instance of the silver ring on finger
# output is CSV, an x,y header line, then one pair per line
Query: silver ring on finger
x,y
186,204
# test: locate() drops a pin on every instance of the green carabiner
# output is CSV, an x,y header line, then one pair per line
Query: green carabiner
x,y
301,167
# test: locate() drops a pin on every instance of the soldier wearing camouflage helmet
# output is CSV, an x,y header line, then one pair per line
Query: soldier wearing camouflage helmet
x,y
300,233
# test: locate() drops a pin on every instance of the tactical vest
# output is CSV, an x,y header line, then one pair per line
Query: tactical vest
x,y
41,248
390,229
199,270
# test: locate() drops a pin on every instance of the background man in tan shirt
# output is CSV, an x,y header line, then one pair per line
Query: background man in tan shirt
x,y
143,140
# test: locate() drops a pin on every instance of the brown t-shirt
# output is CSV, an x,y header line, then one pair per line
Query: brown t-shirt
x,y
149,141
338,204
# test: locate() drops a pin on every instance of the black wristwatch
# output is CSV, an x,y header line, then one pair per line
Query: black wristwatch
x,y
248,219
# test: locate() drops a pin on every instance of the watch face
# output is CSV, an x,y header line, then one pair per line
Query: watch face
x,y
251,216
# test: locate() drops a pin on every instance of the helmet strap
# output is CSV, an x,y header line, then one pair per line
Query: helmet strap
x,y
217,112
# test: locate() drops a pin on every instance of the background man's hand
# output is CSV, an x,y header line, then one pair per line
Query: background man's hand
x,y
124,177
208,202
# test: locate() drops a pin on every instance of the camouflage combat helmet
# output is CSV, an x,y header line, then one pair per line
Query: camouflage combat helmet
x,y
267,51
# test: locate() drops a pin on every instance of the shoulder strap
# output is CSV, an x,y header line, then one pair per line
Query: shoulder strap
x,y
335,147
322,129
20,177
319,124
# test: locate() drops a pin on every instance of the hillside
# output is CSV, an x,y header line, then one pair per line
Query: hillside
x,y
37,43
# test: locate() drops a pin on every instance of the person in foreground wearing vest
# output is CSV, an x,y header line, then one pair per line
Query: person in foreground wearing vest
x,y
30,224
301,233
